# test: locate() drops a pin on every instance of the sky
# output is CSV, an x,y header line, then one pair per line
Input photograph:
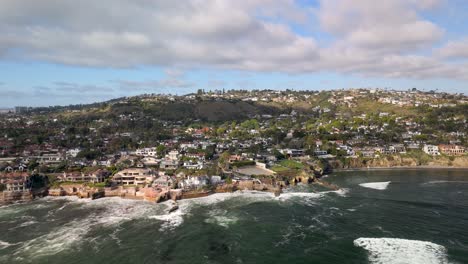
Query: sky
x,y
72,52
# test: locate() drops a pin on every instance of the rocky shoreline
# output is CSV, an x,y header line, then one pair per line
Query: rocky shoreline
x,y
421,167
82,191
21,196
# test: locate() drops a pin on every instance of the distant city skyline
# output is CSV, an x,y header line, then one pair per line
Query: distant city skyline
x,y
71,52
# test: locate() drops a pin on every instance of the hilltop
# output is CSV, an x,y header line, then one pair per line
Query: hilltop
x,y
242,104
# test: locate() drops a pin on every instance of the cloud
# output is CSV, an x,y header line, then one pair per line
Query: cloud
x,y
217,84
367,37
379,25
454,49
68,87
125,33
12,94
174,78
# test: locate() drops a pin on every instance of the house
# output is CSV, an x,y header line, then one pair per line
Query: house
x,y
234,158
320,152
146,152
393,149
173,155
15,181
150,161
216,180
93,177
73,152
198,156
164,181
193,182
185,146
48,158
366,152
193,165
293,152
20,167
133,176
453,150
169,164
431,150
103,162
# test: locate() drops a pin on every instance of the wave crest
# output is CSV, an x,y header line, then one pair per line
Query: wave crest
x,y
375,185
402,251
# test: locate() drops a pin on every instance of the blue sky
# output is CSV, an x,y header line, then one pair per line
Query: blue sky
x,y
68,53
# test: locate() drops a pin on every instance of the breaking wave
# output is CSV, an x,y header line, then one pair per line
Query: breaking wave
x,y
402,251
4,244
222,218
441,182
111,212
375,185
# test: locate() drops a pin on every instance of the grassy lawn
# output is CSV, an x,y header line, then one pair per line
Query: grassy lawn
x,y
278,169
291,164
287,166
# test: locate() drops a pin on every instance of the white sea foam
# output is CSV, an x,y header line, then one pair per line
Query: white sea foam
x,y
4,244
375,185
28,223
341,192
308,198
67,198
402,251
221,197
222,218
111,213
56,241
441,182
290,195
171,220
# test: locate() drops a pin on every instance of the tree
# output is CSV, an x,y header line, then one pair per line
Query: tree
x,y
223,161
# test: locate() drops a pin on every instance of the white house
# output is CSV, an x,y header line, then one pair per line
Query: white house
x,y
150,161
173,155
73,152
146,152
431,150
194,182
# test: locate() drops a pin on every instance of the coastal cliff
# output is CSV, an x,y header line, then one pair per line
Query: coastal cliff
x,y
8,197
401,161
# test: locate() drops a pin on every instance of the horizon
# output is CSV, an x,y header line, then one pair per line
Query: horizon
x,y
62,53
230,90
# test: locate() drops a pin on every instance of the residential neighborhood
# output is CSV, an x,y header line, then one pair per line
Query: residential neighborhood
x,y
287,133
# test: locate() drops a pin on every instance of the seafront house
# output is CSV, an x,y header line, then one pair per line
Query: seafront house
x,y
134,176
14,181
452,150
164,181
91,177
431,150
194,182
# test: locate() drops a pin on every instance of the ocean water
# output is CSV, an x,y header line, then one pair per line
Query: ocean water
x,y
395,216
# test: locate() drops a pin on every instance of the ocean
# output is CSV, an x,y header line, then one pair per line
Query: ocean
x,y
389,216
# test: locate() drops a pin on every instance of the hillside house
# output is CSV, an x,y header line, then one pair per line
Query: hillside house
x,y
452,150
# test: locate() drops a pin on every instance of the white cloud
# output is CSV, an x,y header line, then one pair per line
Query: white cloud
x,y
378,38
379,25
454,49
174,78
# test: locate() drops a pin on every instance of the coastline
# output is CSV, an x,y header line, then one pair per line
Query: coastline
x,y
402,168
